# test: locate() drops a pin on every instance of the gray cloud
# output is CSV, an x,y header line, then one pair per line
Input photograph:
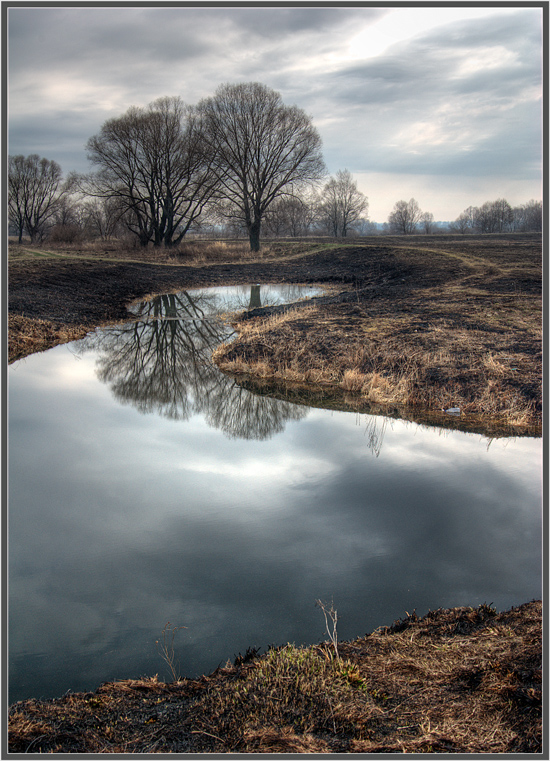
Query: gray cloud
x,y
471,89
459,99
426,69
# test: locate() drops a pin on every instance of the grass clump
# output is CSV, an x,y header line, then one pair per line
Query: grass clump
x,y
27,335
464,680
293,699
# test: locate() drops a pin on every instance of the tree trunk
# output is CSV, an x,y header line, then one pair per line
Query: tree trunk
x,y
255,298
254,235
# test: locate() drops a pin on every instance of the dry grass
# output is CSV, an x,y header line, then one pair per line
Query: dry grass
x,y
28,335
465,680
190,252
449,682
387,371
475,351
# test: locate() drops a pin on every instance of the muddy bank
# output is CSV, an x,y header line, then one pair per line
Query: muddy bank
x,y
455,681
422,324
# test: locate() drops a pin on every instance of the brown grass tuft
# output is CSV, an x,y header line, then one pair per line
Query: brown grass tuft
x,y
284,740
27,335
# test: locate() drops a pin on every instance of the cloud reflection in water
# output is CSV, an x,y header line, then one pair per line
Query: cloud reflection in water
x,y
232,522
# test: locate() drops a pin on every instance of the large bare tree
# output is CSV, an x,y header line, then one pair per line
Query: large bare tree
x,y
35,191
260,149
153,161
342,204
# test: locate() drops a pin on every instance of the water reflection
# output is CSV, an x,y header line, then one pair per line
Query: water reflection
x,y
255,299
198,514
161,363
209,302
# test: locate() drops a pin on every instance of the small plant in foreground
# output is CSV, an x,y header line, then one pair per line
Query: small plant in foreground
x,y
332,615
165,646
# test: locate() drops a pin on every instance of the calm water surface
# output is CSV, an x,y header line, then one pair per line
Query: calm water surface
x,y
145,487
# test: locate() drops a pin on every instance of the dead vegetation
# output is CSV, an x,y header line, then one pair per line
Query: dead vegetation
x,y
473,342
28,335
427,323
193,253
435,362
465,680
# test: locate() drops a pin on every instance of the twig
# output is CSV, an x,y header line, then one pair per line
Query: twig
x,y
333,615
166,649
202,732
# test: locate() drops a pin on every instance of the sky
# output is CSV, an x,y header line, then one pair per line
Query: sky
x,y
439,103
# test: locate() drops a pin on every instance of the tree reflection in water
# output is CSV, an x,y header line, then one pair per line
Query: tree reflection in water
x,y
215,301
162,364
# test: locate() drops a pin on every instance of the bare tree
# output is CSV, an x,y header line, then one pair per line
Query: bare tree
x,y
102,217
153,161
462,223
404,217
68,221
427,222
35,191
493,217
260,148
528,217
466,221
366,227
533,215
503,215
290,215
342,204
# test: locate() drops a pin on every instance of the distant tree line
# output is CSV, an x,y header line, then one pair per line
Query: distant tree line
x,y
498,216
237,164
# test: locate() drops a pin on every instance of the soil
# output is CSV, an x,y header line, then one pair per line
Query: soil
x,y
415,325
455,681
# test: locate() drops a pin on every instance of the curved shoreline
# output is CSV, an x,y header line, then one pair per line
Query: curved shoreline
x,y
463,680
397,296
421,330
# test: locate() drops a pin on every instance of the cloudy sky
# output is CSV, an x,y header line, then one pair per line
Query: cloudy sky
x,y
442,104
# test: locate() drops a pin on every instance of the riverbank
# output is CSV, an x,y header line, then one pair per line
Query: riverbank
x,y
414,325
465,680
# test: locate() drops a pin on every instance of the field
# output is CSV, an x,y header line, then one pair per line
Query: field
x,y
410,326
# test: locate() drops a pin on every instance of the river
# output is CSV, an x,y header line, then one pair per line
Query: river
x,y
147,487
